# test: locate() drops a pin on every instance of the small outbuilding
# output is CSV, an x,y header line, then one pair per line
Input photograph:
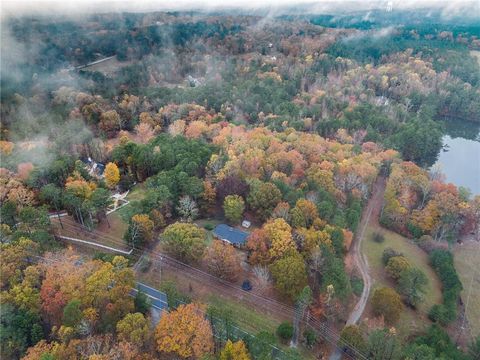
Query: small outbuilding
x,y
231,235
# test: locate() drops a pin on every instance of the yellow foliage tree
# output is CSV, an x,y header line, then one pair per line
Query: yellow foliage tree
x,y
280,235
133,328
234,351
184,332
112,175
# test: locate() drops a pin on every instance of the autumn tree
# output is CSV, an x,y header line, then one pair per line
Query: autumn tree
x,y
222,260
280,235
396,265
263,197
14,257
304,213
233,206
107,290
258,244
112,175
234,351
134,328
144,132
110,122
282,210
158,219
184,332
140,230
208,196
387,303
184,241
289,274
231,185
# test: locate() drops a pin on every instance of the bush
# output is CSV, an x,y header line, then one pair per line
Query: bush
x,y
142,303
396,265
442,262
285,331
208,226
414,230
174,297
387,303
145,264
310,338
357,285
389,253
378,237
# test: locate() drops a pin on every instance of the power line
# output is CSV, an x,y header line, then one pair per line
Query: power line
x,y
324,331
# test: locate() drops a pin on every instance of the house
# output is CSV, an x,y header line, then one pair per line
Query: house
x,y
230,235
94,169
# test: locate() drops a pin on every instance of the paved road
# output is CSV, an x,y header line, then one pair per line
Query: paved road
x,y
360,260
158,301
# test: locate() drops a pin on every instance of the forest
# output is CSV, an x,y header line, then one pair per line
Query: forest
x,y
129,139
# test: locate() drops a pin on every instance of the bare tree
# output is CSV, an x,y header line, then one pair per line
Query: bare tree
x,y
263,276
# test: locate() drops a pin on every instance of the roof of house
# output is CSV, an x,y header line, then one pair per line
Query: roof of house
x,y
230,234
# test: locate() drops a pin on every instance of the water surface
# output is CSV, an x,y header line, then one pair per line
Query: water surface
x,y
460,157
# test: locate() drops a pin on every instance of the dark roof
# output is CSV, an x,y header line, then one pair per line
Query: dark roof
x,y
230,234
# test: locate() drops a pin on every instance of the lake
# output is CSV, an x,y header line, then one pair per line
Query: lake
x,y
459,160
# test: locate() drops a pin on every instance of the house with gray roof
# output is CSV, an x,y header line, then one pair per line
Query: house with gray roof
x,y
231,235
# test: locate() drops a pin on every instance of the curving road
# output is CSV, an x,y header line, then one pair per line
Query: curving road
x,y
373,207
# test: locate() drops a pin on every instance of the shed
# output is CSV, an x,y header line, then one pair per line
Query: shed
x,y
231,235
246,224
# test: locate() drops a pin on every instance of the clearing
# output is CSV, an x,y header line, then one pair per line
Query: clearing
x,y
417,258
467,263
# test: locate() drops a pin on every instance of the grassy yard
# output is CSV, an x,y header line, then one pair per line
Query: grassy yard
x,y
202,222
137,193
417,258
467,263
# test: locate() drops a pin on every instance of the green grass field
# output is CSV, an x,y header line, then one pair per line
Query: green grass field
x,y
417,258
467,263
137,193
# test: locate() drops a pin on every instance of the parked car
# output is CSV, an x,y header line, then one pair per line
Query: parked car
x,y
246,285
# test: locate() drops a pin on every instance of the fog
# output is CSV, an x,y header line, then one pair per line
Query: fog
x,y
75,7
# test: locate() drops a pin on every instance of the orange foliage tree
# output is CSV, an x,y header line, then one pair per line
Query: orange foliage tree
x,y
222,260
184,332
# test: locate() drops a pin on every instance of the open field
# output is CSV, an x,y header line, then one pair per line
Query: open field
x,y
467,263
417,258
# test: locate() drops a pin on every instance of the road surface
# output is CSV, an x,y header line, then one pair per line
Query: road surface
x,y
371,213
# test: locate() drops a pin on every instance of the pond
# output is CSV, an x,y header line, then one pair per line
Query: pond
x,y
459,159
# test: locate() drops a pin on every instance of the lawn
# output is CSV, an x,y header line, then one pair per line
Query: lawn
x,y
467,263
417,258
137,193
202,222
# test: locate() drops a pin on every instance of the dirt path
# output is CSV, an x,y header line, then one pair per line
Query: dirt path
x,y
370,215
